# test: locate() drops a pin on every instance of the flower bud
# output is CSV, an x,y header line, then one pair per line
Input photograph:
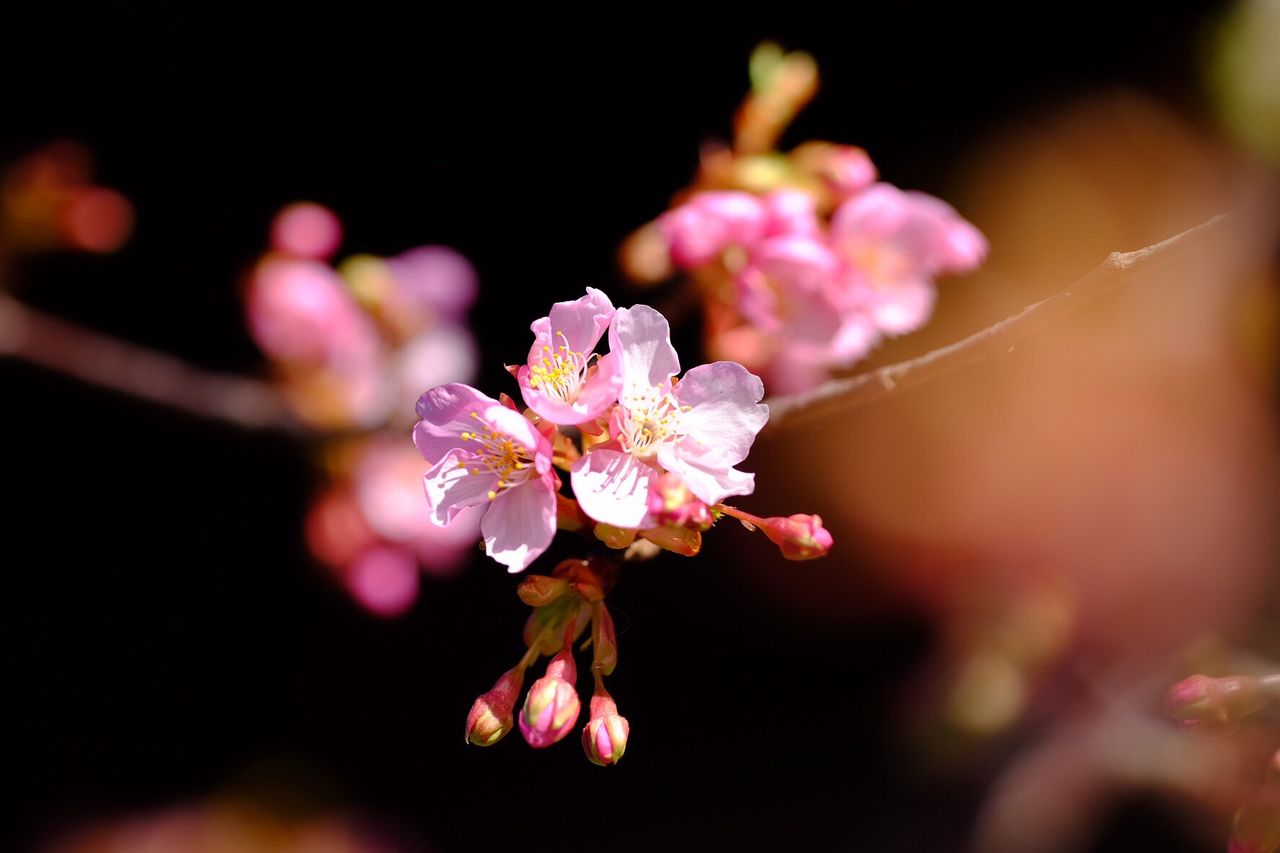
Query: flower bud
x,y
801,537
671,503
604,738
537,590
551,708
1214,707
492,715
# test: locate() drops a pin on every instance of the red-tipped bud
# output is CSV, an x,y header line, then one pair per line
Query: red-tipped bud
x,y
551,708
493,714
537,590
801,537
1214,707
604,738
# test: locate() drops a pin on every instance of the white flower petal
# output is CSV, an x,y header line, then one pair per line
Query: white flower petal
x,y
612,487
520,524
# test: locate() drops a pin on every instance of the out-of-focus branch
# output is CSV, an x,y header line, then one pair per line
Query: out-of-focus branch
x,y
839,395
99,359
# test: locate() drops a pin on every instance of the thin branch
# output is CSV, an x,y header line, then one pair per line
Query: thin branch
x,y
99,359
840,395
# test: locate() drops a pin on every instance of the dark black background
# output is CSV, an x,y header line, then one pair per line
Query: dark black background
x,y
166,635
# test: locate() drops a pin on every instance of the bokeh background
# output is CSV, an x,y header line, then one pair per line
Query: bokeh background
x,y
1052,530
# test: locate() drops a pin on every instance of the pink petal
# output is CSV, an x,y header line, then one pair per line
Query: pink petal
x,y
612,487
790,212
446,414
641,339
904,307
724,413
436,277
583,321
451,486
520,524
877,212
708,485
703,227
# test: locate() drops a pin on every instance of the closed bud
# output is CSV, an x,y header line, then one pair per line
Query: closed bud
x,y
1214,707
551,708
492,715
801,537
671,503
604,738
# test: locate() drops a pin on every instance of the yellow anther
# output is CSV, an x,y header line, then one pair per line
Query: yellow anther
x,y
492,494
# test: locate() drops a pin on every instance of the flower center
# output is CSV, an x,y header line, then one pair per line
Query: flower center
x,y
562,371
497,453
649,418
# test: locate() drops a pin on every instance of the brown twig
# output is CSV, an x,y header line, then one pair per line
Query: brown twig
x,y
99,359
839,395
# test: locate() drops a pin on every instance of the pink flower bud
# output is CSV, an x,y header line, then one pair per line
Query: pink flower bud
x,y
801,537
492,715
551,708
604,738
707,224
671,502
1213,707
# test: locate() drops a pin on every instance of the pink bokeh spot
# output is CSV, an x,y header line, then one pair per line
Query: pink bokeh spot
x,y
306,230
384,580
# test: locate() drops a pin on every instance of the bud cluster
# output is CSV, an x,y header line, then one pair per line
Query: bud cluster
x,y
565,605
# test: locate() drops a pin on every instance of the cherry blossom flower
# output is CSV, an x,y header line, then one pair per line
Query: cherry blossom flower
x,y
710,222
481,451
893,244
560,381
698,429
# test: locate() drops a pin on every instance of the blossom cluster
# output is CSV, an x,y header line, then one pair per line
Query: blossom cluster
x,y
650,456
817,293
351,346
804,260
657,455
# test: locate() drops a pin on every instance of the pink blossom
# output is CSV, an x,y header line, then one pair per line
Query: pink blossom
x,y
388,491
436,277
698,429
483,453
300,311
893,243
710,222
560,381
